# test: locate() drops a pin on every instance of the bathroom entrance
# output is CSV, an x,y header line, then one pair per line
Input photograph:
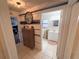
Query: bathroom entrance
x,y
50,25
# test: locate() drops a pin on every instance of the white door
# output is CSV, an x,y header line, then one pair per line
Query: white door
x,y
72,46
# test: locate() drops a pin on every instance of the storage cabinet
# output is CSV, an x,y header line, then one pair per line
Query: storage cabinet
x,y
28,37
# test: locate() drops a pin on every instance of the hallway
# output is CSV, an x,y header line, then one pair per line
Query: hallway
x,y
48,52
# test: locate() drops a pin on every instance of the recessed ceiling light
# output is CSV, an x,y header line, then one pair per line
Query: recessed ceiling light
x,y
18,3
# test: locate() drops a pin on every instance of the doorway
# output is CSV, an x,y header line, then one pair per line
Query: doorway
x,y
50,25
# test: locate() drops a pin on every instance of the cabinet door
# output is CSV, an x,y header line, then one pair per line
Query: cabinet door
x,y
72,46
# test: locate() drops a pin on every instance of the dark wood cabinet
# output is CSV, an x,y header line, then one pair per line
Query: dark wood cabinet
x,y
28,37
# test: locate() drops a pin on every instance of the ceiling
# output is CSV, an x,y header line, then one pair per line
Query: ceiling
x,y
31,4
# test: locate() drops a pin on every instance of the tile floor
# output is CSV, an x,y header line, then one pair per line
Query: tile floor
x,y
49,49
48,52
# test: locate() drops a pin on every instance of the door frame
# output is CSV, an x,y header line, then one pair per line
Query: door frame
x,y
72,31
7,38
62,22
